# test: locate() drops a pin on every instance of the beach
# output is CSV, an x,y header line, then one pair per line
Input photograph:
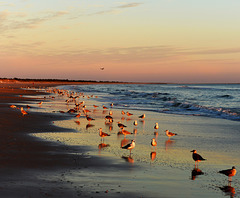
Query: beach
x,y
49,154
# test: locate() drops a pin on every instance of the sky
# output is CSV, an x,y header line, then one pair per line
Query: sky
x,y
170,41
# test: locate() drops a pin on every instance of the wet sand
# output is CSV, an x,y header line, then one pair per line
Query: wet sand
x,y
48,154
32,167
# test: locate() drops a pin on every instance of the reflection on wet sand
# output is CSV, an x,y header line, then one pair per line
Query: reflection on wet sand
x,y
89,125
153,155
228,190
77,122
196,172
168,144
128,159
135,131
103,145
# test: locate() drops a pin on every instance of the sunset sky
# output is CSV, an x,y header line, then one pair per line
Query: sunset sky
x,y
182,41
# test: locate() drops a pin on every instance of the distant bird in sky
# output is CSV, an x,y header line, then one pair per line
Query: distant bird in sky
x,y
101,68
196,157
129,146
229,173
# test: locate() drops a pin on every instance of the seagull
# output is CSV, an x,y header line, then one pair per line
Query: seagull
x,y
142,116
89,118
109,118
129,114
120,125
156,126
104,107
102,134
23,112
229,173
123,113
170,134
13,106
124,132
135,123
129,146
153,142
196,157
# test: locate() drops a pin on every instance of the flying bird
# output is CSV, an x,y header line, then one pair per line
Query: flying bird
x,y
101,68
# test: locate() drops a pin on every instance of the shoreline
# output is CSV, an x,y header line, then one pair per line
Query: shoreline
x,y
75,171
29,162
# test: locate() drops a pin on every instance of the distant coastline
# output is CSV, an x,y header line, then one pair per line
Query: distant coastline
x,y
68,81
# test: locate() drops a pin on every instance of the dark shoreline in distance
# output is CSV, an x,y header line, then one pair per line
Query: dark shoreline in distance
x,y
15,80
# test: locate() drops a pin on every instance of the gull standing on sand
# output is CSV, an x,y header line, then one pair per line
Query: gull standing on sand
x,y
109,118
23,111
129,146
89,118
142,116
196,157
229,172
135,123
102,134
123,113
154,143
129,114
120,125
156,126
170,134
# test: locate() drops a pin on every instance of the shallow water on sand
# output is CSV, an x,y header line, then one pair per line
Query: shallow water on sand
x,y
157,171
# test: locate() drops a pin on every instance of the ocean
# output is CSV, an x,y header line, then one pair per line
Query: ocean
x,y
209,100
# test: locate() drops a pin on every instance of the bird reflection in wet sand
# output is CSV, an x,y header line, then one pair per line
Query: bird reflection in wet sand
x,y
135,131
228,190
102,145
77,122
196,172
89,125
128,159
168,144
153,155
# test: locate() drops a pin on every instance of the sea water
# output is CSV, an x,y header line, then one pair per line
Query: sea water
x,y
209,100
